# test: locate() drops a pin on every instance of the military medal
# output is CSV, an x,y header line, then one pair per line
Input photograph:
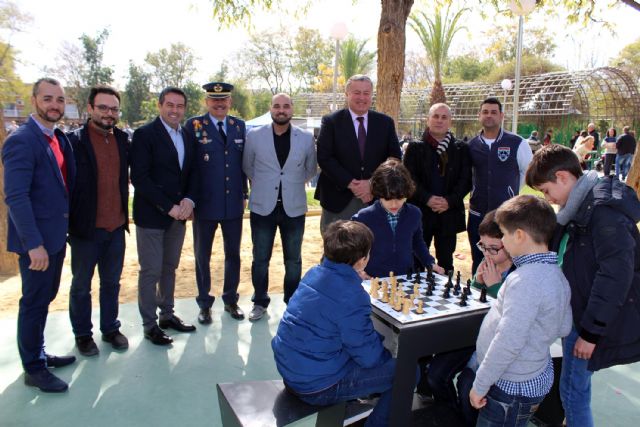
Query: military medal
x,y
206,157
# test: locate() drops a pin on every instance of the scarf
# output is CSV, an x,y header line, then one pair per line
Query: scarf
x,y
583,186
440,147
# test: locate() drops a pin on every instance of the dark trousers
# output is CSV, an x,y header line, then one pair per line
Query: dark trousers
x,y
609,160
203,234
472,230
263,233
106,250
445,245
39,288
442,370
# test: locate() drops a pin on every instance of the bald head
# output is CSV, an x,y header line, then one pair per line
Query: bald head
x,y
281,109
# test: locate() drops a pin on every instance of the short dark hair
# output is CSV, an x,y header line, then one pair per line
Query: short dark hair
x,y
492,100
532,214
171,89
347,242
549,160
95,90
489,227
392,180
36,85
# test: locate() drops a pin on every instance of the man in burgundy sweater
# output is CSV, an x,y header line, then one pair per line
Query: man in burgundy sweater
x,y
98,219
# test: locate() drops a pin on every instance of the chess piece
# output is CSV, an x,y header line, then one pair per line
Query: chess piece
x,y
456,290
410,275
420,310
446,293
483,293
463,300
467,290
416,278
458,279
406,306
430,271
429,291
450,279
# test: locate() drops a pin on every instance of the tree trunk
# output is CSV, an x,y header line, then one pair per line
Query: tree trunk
x,y
437,94
391,45
8,260
633,179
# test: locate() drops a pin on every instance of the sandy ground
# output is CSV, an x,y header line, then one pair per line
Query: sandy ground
x,y
185,276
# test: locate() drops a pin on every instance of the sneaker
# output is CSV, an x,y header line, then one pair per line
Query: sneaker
x,y
257,312
86,346
116,339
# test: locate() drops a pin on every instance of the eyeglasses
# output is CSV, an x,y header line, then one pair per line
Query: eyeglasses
x,y
105,108
488,249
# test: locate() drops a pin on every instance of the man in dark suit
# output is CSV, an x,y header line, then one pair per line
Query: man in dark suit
x,y
163,174
222,200
441,169
39,171
98,220
352,143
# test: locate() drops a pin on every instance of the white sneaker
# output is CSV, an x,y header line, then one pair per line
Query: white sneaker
x,y
257,312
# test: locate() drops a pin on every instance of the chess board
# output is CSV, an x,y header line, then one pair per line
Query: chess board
x,y
434,306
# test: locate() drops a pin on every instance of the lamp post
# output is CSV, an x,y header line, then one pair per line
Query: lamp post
x,y
519,8
338,32
506,87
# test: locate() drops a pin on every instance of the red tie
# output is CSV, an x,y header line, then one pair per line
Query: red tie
x,y
55,147
362,136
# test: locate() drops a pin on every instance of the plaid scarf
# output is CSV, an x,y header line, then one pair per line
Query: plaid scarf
x,y
440,147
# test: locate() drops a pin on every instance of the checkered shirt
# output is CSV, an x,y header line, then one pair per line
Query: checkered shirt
x,y
543,258
535,387
393,220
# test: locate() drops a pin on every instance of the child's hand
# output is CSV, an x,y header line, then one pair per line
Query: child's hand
x,y
363,275
480,271
583,349
476,400
438,269
491,275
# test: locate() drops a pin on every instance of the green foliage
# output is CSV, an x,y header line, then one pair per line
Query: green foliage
x,y
467,68
228,13
96,73
195,99
310,51
536,41
530,65
135,93
171,67
354,58
268,58
629,60
243,101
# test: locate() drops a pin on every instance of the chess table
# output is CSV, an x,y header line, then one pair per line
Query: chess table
x,y
410,341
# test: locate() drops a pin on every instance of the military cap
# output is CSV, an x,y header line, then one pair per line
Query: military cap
x,y
218,89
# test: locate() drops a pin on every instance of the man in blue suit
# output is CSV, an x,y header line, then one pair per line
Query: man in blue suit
x,y
39,171
222,197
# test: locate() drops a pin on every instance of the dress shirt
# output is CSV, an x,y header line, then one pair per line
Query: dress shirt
x,y
176,138
356,123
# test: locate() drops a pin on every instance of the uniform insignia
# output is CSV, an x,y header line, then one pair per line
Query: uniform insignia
x,y
206,122
217,88
206,157
504,153
231,122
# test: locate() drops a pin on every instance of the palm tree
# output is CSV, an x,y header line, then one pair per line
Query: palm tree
x,y
354,59
436,36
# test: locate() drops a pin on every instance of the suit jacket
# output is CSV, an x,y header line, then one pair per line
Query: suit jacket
x,y
260,163
223,185
84,200
156,175
339,155
35,192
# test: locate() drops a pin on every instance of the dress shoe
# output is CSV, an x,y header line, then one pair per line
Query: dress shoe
x,y
157,336
257,312
45,381
86,346
116,339
204,318
234,311
175,323
59,361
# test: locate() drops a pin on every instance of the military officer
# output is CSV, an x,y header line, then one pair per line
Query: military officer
x,y
223,194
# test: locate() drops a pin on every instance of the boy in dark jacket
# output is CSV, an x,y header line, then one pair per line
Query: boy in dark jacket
x,y
326,348
598,247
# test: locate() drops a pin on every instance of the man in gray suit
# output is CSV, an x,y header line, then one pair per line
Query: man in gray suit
x,y
279,159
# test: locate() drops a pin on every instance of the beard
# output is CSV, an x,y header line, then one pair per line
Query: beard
x,y
280,119
51,115
105,126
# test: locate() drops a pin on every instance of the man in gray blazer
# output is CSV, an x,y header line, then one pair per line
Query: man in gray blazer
x,y
279,159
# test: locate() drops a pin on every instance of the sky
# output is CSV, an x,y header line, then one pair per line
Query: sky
x,y
141,26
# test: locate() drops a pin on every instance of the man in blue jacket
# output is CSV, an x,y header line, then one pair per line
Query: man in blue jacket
x,y
598,247
39,171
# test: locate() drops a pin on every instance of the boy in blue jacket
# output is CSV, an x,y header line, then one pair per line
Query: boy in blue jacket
x,y
326,348
396,225
598,246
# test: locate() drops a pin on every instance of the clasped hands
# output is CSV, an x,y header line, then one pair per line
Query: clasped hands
x,y
183,211
361,189
438,204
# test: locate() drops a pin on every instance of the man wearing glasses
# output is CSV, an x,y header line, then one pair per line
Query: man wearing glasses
x,y
98,219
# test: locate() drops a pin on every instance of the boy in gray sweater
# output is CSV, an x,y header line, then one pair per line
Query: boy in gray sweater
x,y
515,370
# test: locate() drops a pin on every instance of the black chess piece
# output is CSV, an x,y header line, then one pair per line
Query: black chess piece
x,y
429,271
428,292
458,279
416,279
450,281
483,293
410,275
463,300
467,290
446,293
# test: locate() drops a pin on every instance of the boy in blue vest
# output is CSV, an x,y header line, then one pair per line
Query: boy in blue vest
x,y
326,348
499,161
598,243
515,371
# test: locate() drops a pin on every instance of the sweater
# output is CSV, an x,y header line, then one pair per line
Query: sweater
x,y
531,312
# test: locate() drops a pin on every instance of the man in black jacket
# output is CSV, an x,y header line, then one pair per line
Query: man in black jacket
x,y
98,219
441,169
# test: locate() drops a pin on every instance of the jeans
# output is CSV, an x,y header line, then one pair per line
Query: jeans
x,y
624,162
263,233
575,385
360,382
503,409
106,250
